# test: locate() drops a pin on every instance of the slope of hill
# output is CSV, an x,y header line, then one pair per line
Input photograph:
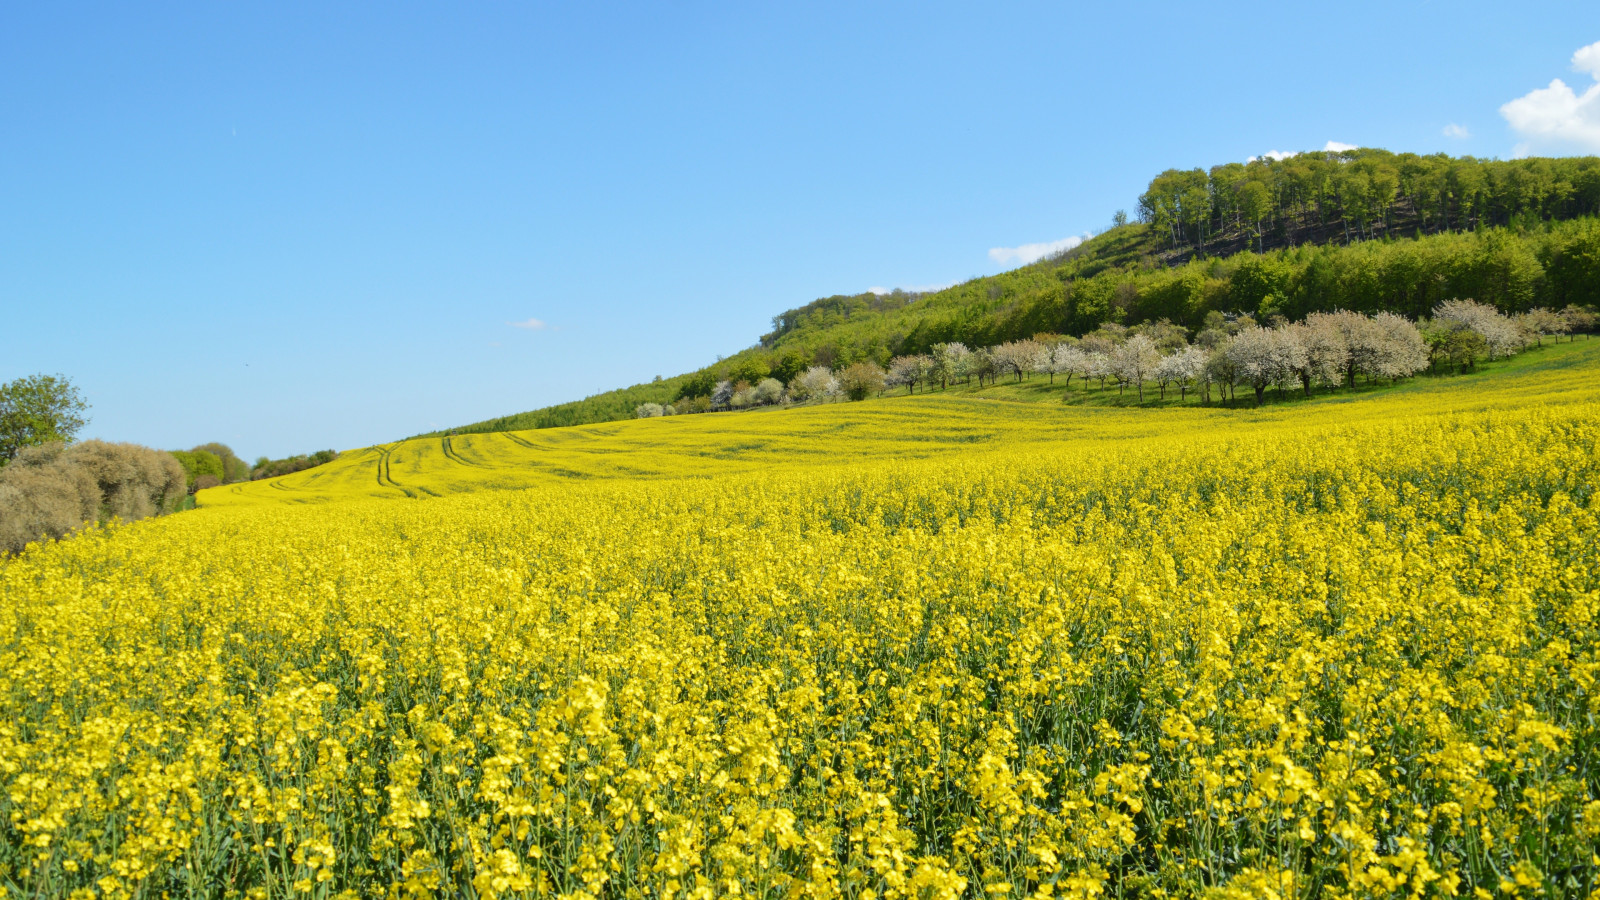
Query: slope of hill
x,y
1001,419
1351,639
1366,230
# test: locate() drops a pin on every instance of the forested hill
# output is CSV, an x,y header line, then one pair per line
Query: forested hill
x,y
1365,229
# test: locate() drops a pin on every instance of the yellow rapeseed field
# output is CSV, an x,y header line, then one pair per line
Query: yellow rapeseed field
x,y
928,647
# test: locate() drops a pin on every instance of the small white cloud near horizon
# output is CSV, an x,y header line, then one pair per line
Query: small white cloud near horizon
x,y
1459,132
1279,155
1558,115
1029,253
530,324
911,289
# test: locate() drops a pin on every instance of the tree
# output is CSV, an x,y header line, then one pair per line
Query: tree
x,y
648,411
1579,319
1166,336
272,468
1326,351
981,363
39,409
788,365
749,369
1538,323
1255,202
1364,342
950,362
1016,357
1098,366
1183,368
198,464
1405,353
861,380
816,383
906,370
1220,370
234,469
700,384
1067,359
1453,343
1135,361
766,392
1265,356
1499,333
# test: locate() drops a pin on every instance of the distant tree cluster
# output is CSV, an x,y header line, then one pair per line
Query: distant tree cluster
x,y
209,465
50,486
272,468
1326,349
49,490
1362,195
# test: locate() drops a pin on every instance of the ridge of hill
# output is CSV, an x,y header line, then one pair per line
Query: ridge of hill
x,y
1366,229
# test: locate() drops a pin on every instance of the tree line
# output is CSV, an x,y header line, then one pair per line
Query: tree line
x,y
1325,349
51,485
1361,194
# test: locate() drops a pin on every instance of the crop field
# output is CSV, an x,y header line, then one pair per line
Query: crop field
x,y
1004,418
932,646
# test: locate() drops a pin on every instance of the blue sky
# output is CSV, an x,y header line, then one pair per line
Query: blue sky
x,y
289,226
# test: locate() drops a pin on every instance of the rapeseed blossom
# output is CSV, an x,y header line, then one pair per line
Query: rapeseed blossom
x,y
1340,658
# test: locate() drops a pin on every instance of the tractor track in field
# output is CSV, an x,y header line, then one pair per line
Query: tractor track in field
x,y
385,478
451,454
529,444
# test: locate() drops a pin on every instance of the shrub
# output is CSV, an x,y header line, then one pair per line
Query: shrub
x,y
861,380
272,468
50,490
41,499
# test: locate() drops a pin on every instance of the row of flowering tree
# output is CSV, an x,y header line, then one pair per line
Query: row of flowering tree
x,y
1327,350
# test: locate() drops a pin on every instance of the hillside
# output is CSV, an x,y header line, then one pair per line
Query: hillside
x,y
999,418
1366,229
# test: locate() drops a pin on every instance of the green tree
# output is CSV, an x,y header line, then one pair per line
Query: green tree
x,y
233,468
1255,204
197,464
39,409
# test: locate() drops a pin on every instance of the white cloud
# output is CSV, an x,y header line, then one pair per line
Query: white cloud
x,y
530,324
1558,115
1028,253
1587,60
1458,132
1279,155
911,289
